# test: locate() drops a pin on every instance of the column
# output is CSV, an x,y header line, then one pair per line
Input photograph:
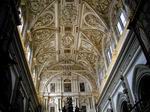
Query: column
x,y
59,104
46,104
73,85
93,104
90,102
77,101
59,85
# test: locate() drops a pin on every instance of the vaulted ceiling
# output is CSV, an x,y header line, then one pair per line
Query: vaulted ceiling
x,y
67,37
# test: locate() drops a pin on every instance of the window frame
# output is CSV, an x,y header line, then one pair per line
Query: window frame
x,y
120,23
51,89
82,89
67,83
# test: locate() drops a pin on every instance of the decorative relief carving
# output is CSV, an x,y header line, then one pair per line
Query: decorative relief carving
x,y
69,14
87,47
45,20
46,43
42,35
67,40
66,67
101,6
41,58
94,22
37,6
89,56
95,37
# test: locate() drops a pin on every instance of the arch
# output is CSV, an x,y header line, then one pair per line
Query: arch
x,y
141,82
91,85
122,103
139,73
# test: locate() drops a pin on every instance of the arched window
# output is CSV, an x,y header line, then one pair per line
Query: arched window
x,y
108,52
121,21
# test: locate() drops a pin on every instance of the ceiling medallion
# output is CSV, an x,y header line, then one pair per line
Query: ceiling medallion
x,y
67,40
35,6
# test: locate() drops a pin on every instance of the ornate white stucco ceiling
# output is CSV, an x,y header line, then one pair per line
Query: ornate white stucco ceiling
x,y
67,36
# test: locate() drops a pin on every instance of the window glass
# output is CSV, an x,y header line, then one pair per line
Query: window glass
x,y
52,109
83,108
82,87
100,75
109,55
121,23
119,28
67,85
52,87
123,19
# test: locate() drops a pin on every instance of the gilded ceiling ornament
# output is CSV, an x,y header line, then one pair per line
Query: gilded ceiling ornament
x,y
44,21
86,46
95,36
100,6
41,58
94,22
60,27
67,40
64,67
35,6
88,56
69,14
42,35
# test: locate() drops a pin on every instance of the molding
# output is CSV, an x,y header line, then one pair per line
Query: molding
x,y
120,99
130,46
23,68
